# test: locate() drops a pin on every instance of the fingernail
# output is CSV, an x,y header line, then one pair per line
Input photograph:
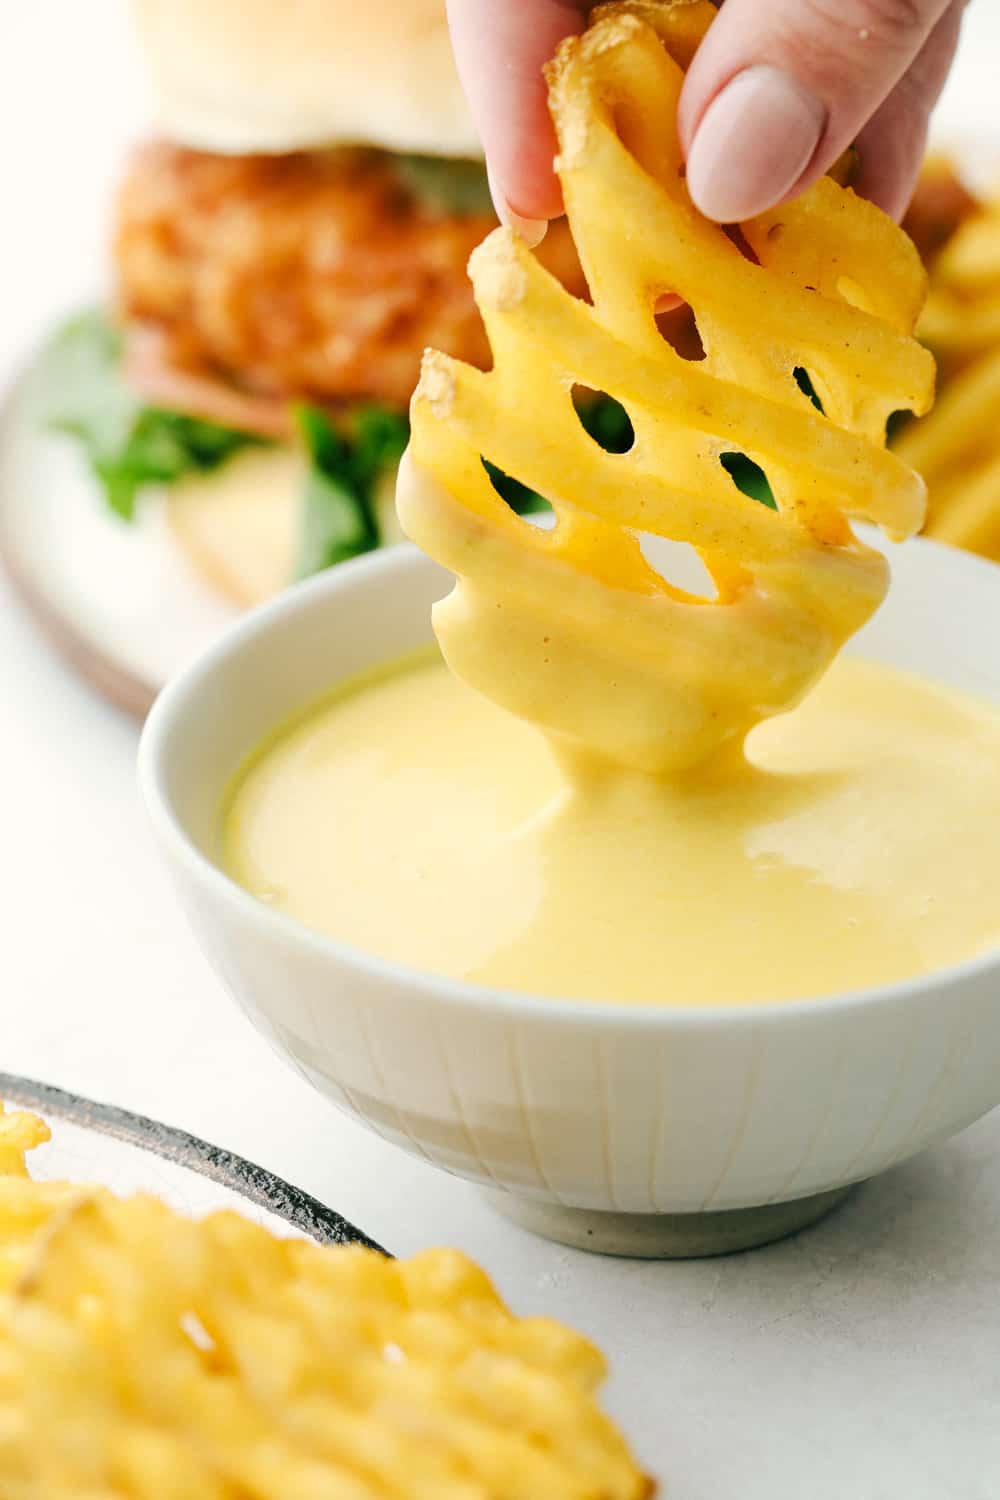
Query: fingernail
x,y
531,231
754,142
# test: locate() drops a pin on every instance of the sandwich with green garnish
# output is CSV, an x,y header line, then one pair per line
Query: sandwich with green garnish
x,y
283,252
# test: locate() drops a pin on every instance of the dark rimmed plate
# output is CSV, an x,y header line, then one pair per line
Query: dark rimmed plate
x,y
130,1153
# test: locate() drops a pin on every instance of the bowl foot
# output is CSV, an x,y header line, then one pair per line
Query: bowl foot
x,y
666,1236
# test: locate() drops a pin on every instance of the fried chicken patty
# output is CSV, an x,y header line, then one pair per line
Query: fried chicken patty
x,y
313,275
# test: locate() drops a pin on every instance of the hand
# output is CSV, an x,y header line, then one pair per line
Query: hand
x,y
778,90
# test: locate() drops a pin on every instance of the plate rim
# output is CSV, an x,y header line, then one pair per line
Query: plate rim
x,y
246,1179
116,683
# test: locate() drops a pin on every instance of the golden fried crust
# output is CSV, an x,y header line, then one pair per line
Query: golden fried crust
x,y
313,275
146,1356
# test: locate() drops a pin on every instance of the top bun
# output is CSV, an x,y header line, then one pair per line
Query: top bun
x,y
285,75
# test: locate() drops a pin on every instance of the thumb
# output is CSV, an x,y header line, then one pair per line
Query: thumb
x,y
778,90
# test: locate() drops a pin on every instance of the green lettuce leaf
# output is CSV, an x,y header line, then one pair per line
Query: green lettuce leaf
x,y
127,443
607,422
338,517
445,185
749,477
520,497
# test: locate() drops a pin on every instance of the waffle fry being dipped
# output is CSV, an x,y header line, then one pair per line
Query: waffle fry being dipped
x,y
145,1356
579,810
573,628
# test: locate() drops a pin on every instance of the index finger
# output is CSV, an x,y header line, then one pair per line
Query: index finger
x,y
500,50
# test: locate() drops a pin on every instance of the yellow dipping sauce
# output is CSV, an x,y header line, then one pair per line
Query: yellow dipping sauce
x,y
856,843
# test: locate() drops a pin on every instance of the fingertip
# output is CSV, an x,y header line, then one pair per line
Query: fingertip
x,y
522,177
753,143
521,146
744,160
500,51
891,146
889,164
531,228
524,198
531,231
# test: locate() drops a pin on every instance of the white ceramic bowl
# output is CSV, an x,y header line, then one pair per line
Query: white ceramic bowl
x,y
638,1130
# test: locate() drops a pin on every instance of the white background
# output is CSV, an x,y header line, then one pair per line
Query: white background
x,y
859,1362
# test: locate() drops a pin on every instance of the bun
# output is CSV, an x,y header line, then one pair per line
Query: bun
x,y
272,76
238,526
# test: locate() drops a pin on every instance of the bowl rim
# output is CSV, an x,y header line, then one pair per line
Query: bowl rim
x,y
169,709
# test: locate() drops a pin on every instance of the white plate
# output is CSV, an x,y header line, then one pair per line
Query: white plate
x,y
117,597
128,1153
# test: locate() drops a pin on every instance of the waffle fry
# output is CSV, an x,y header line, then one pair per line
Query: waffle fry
x,y
19,1134
940,204
956,448
25,1206
962,317
144,1356
957,452
573,628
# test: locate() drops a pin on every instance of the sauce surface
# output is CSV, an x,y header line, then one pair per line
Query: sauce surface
x,y
857,843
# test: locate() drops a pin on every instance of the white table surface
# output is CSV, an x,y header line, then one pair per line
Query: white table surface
x,y
860,1361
